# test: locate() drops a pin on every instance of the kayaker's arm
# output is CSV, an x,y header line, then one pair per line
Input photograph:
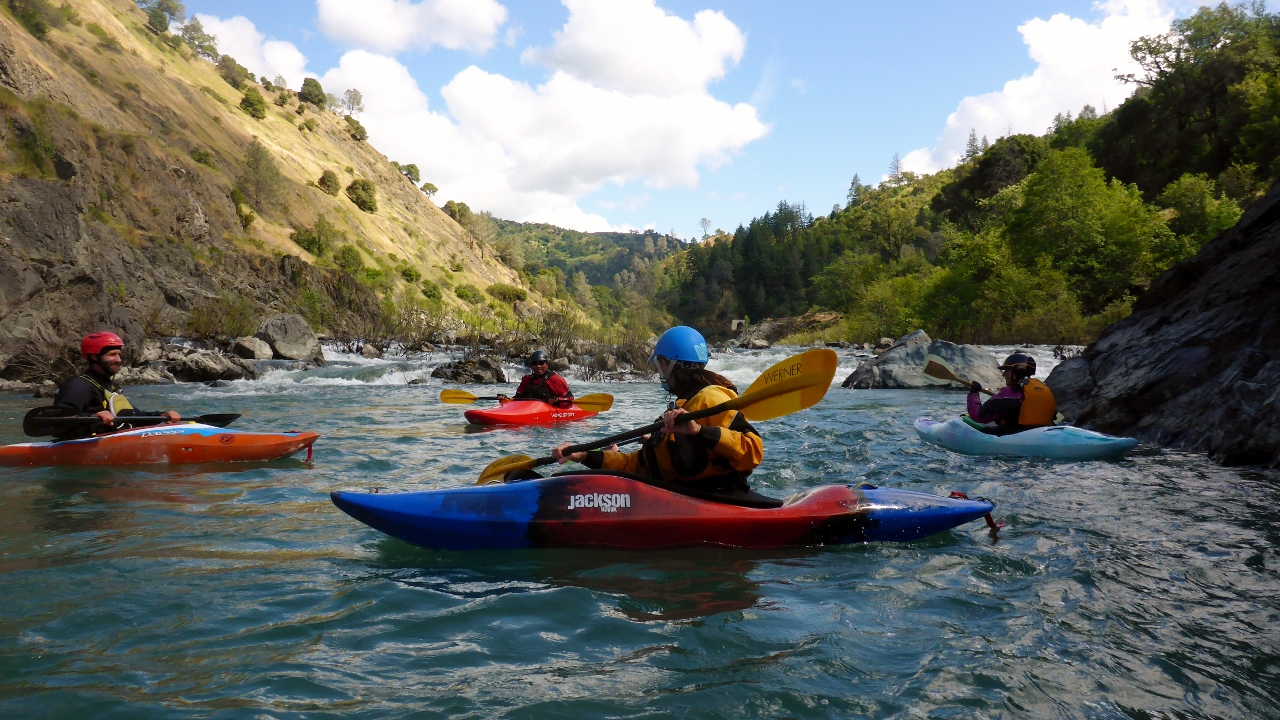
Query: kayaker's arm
x,y
560,389
728,434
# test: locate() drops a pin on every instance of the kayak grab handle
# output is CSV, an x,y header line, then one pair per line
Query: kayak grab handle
x,y
991,523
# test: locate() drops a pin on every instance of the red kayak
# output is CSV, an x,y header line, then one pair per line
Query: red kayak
x,y
527,412
177,443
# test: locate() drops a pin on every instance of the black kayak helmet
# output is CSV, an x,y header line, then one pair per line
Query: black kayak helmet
x,y
537,357
1022,365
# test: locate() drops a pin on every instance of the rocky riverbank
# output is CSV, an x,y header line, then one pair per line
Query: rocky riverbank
x,y
1197,364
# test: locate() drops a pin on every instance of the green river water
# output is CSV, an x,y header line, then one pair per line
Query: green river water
x,y
1145,588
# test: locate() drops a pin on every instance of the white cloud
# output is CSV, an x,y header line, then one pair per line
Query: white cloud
x,y
1076,62
391,26
634,46
531,152
239,38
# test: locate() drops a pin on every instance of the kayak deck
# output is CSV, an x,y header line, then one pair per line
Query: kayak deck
x,y
173,444
611,511
1058,442
526,412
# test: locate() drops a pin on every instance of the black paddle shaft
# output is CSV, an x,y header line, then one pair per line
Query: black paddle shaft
x,y
632,434
34,425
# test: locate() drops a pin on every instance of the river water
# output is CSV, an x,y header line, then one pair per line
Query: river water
x,y
1146,588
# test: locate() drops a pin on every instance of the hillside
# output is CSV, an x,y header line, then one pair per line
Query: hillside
x,y
120,156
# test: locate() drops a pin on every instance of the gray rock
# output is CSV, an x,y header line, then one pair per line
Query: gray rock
x,y
147,375
15,386
252,348
472,370
1197,364
152,350
605,361
203,366
418,381
901,366
560,364
291,338
755,344
883,343
46,389
371,352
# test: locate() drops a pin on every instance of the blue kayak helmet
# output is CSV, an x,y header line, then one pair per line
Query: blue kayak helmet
x,y
681,345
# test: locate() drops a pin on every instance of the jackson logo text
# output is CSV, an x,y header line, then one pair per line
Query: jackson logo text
x,y
605,501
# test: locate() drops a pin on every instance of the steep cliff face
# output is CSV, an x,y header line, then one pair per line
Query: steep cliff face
x,y
1197,364
118,155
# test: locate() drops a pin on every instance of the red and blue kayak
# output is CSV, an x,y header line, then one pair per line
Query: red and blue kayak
x,y
526,412
593,509
173,444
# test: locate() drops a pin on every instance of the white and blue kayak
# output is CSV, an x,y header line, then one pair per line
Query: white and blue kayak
x,y
1056,442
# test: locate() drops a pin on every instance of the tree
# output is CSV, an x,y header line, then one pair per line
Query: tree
x,y
356,130
157,21
856,191
348,258
581,290
260,180
328,182
200,42
364,194
162,13
430,190
312,92
411,171
352,101
233,72
332,102
1202,211
706,225
280,83
254,104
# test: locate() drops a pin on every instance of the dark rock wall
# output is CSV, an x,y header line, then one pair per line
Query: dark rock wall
x,y
1197,364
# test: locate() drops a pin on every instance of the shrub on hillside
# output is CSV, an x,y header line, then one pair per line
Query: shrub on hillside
x,y
105,39
507,293
313,93
37,16
254,104
318,239
282,98
459,211
470,293
348,258
260,180
356,129
222,318
431,290
204,157
233,72
329,183
410,274
364,194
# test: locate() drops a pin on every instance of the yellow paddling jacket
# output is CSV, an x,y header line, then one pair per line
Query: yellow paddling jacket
x,y
720,456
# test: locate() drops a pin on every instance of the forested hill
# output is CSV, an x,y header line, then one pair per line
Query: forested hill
x,y
1031,238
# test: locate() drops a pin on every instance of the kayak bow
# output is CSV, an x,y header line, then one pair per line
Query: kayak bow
x,y
179,443
526,412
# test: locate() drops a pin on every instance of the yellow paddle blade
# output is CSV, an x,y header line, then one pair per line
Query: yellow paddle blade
x,y
503,465
595,402
790,386
457,397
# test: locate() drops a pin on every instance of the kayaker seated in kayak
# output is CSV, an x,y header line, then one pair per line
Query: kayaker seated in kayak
x,y
542,384
1023,403
94,392
716,453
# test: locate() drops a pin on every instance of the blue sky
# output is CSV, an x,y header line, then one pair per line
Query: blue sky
x,y
768,101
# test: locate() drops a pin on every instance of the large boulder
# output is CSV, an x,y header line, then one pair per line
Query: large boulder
x,y
203,366
901,366
472,370
145,375
252,348
290,338
1197,364
771,330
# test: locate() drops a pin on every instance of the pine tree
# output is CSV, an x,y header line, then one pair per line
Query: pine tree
x,y
971,149
895,168
983,147
855,191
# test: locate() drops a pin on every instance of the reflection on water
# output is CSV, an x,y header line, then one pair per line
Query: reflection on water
x,y
1141,588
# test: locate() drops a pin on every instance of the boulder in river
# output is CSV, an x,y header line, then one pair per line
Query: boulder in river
x,y
901,366
203,366
252,348
371,352
472,370
146,375
291,338
1197,364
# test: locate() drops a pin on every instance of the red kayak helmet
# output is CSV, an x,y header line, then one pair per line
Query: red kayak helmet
x,y
98,343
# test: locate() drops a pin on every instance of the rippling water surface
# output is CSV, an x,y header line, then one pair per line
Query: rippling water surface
x,y
1144,588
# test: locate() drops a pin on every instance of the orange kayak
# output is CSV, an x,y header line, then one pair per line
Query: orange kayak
x,y
183,443
526,412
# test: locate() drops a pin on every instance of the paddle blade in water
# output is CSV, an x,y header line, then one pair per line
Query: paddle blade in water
x,y
792,385
595,402
503,465
37,423
457,397
216,419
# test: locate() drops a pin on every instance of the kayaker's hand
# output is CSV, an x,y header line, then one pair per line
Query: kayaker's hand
x,y
171,416
975,387
106,417
557,453
669,423
502,398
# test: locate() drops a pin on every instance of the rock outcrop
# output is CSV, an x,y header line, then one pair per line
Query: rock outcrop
x,y
472,370
290,338
772,330
252,348
901,366
1197,364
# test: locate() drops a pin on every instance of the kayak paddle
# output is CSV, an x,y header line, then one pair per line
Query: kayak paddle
x,y
790,386
595,402
46,420
936,367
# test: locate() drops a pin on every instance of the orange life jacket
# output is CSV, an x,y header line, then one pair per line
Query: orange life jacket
x,y
1038,405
